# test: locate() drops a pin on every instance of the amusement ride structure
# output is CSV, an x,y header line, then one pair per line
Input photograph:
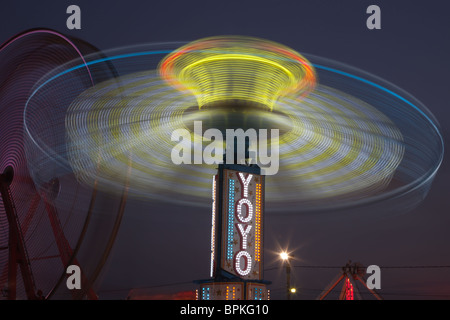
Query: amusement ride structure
x,y
82,131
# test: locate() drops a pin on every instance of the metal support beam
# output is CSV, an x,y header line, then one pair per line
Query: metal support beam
x,y
371,290
65,251
17,249
12,264
288,279
331,286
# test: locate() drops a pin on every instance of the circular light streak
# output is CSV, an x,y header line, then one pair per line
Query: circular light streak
x,y
351,140
238,68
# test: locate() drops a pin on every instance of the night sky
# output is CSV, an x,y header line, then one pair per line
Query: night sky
x,y
162,248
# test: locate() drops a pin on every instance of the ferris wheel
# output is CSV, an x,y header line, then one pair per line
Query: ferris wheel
x,y
47,219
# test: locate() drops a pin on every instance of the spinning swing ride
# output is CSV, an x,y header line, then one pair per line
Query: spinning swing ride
x,y
82,131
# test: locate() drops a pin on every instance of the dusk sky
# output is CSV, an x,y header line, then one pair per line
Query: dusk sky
x,y
162,248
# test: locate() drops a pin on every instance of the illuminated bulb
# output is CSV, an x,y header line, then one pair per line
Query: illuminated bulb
x,y
284,256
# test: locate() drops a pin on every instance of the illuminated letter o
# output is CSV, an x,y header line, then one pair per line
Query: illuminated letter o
x,y
249,216
237,263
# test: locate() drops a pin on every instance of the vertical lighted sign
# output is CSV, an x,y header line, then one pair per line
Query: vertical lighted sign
x,y
213,226
242,210
236,236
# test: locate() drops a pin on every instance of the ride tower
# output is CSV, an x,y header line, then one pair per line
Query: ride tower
x,y
237,227
236,83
